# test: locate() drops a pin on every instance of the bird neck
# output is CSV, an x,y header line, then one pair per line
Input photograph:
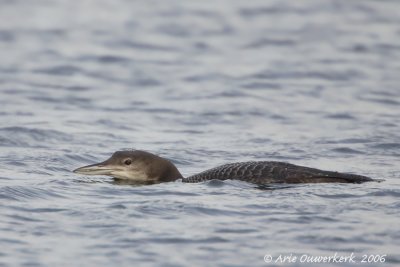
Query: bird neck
x,y
163,170
171,173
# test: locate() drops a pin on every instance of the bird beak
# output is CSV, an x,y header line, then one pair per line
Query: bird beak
x,y
95,169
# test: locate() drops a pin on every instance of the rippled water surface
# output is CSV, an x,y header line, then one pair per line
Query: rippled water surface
x,y
202,83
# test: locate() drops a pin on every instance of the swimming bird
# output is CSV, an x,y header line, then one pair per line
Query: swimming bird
x,y
147,168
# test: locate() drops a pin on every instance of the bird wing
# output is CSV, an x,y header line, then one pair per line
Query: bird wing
x,y
266,172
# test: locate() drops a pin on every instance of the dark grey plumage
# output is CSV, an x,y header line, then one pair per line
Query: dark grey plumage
x,y
144,167
266,172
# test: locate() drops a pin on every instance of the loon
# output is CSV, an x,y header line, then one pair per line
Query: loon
x,y
146,168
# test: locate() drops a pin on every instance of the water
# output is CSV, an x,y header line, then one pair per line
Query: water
x,y
202,83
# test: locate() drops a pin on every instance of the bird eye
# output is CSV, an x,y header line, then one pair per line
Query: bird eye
x,y
127,162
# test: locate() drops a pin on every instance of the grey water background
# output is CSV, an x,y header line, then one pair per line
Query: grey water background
x,y
202,83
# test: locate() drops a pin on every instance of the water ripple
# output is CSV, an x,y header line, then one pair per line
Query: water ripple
x,y
25,137
22,193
